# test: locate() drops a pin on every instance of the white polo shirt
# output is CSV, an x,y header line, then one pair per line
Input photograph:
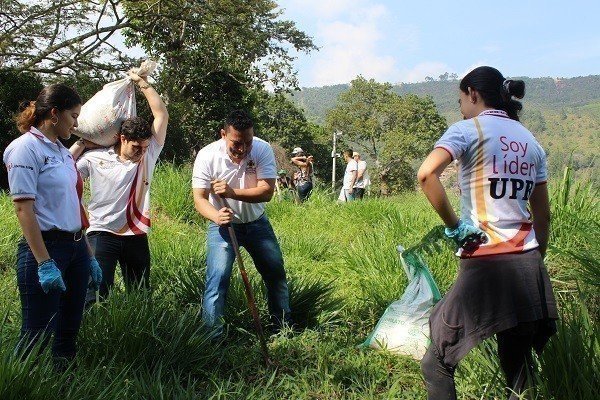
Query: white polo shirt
x,y
120,190
366,180
213,162
350,168
44,171
500,165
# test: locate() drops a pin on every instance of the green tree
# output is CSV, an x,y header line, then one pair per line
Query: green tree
x,y
361,114
279,121
533,120
215,55
414,125
61,36
393,131
14,89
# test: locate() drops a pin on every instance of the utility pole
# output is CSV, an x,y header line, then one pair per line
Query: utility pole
x,y
333,157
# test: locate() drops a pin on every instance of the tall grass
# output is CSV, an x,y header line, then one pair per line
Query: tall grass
x,y
570,364
343,271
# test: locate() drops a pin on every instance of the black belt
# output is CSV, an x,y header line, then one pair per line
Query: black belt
x,y
55,234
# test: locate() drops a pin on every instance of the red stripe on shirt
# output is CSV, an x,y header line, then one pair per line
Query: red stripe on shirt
x,y
131,208
514,245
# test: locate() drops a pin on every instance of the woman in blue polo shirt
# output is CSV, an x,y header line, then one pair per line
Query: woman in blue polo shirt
x,y
53,262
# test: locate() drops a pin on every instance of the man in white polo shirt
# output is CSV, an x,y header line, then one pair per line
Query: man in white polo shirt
x,y
362,177
232,179
347,192
119,206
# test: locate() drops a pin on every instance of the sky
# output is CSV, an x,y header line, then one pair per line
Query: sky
x,y
405,41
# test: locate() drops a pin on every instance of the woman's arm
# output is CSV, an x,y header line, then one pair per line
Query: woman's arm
x,y
31,229
540,210
429,179
299,161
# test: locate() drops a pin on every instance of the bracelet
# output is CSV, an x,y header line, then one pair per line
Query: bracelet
x,y
144,87
40,265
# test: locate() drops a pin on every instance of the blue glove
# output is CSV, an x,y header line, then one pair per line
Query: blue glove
x,y
50,276
95,273
466,236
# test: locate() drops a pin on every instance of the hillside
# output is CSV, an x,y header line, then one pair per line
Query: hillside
x,y
541,93
563,113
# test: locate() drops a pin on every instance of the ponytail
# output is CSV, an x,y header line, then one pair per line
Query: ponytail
x,y
26,117
513,88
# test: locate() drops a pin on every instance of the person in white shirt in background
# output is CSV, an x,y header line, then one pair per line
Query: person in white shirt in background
x,y
362,177
232,180
53,262
347,192
120,179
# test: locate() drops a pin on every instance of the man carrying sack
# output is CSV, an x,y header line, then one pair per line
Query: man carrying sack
x,y
119,205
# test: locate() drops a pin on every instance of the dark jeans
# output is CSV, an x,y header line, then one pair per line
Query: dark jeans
x,y
56,312
304,190
133,254
359,193
514,350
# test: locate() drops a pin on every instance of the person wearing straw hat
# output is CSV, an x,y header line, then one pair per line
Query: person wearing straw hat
x,y
232,180
304,176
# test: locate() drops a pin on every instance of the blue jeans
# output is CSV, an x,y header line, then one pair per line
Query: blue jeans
x,y
349,196
304,190
133,254
55,312
259,240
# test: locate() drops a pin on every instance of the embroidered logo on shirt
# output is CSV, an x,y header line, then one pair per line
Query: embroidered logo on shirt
x,y
106,164
50,160
251,167
11,166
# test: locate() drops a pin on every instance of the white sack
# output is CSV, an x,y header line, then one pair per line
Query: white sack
x,y
102,115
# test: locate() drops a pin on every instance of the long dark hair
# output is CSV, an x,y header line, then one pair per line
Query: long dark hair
x,y
59,96
495,90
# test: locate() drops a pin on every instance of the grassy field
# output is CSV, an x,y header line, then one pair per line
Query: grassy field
x,y
343,271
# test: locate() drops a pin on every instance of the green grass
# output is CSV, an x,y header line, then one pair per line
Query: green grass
x,y
343,271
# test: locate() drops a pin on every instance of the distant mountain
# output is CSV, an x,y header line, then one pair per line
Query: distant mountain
x,y
542,93
564,113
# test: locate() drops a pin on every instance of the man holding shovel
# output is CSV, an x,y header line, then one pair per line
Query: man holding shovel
x,y
232,179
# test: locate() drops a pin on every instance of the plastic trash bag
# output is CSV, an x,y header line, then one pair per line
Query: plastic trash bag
x,y
101,116
404,326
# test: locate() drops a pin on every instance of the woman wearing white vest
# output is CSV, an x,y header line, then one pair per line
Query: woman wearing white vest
x,y
502,287
53,262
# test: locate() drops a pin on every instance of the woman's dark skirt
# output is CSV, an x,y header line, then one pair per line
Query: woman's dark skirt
x,y
493,294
